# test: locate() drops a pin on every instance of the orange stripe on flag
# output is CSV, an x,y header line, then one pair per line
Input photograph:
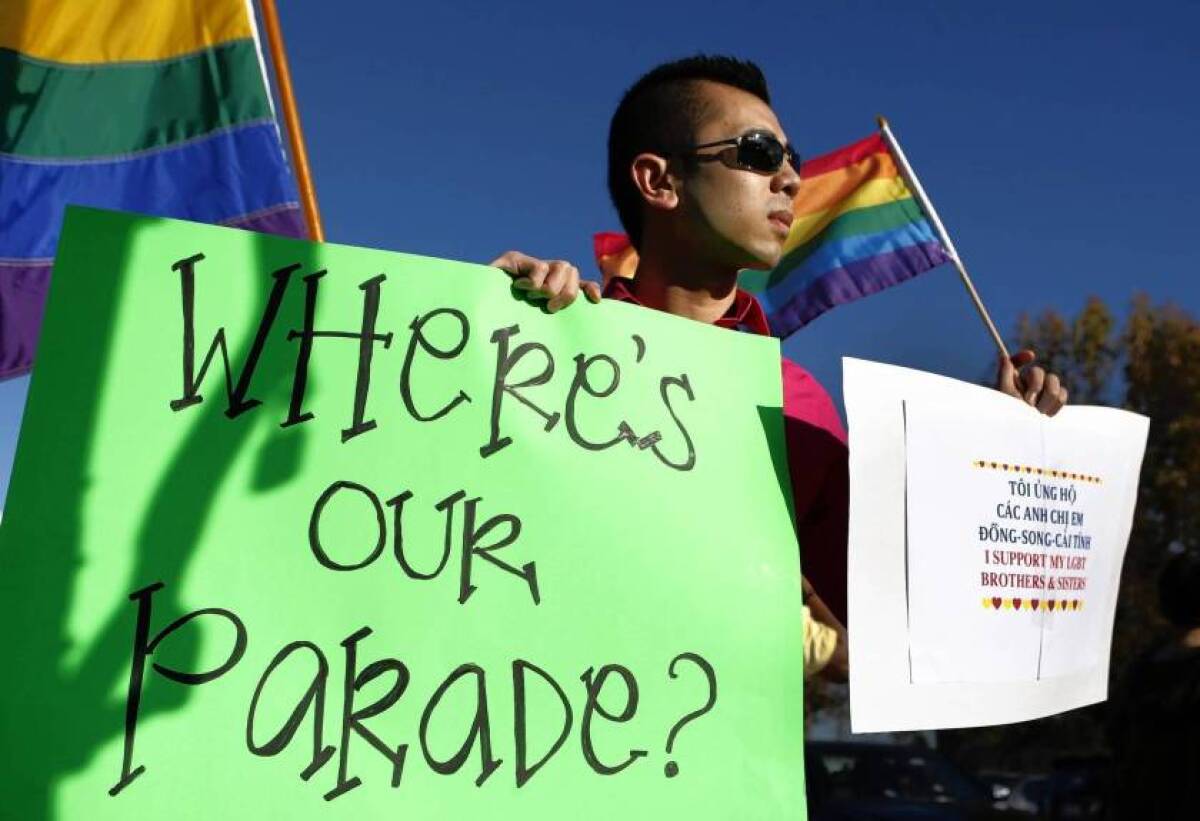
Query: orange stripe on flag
x,y
615,255
821,192
873,192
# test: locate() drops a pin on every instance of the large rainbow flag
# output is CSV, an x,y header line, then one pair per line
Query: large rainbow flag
x,y
857,230
156,106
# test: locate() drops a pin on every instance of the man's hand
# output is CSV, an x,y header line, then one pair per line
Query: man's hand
x,y
555,281
837,666
1034,387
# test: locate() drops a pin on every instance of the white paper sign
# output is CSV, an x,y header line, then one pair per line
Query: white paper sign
x,y
985,550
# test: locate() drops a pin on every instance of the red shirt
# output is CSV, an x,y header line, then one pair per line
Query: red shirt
x,y
818,458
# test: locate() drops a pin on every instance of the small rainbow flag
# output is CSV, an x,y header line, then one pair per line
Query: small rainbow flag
x,y
615,255
138,105
857,230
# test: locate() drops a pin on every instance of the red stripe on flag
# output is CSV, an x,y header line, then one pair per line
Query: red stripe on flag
x,y
607,243
842,157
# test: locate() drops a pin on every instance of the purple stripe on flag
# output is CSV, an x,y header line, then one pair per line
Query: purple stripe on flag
x,y
842,252
23,288
284,221
22,294
854,281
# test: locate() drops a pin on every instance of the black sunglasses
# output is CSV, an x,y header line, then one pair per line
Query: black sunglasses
x,y
752,151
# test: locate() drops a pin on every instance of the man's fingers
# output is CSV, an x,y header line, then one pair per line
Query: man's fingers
x,y
511,262
1053,397
523,284
1006,377
1051,403
1035,379
516,264
555,286
556,281
502,261
1052,385
536,272
562,285
565,296
556,278
1034,387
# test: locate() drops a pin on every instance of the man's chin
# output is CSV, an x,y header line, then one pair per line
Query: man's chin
x,y
763,261
763,254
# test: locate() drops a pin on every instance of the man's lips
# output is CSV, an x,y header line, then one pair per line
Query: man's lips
x,y
781,220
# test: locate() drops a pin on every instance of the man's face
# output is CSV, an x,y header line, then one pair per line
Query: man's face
x,y
740,217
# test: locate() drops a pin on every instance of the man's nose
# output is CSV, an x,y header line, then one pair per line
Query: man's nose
x,y
786,180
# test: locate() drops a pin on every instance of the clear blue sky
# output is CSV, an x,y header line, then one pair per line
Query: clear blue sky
x,y
1057,140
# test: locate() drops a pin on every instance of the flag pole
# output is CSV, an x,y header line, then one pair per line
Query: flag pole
x,y
291,117
919,193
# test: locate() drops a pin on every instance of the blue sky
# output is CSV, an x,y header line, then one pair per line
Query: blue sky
x,y
1056,140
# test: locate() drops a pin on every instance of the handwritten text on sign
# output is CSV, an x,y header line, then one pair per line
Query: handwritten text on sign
x,y
481,537
370,519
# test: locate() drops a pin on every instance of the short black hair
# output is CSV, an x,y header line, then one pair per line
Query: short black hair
x,y
659,113
1179,589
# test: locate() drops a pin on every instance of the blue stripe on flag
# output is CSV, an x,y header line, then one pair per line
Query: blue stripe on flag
x,y
216,178
840,253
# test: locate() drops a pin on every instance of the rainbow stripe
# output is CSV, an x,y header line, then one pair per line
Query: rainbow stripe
x,y
615,255
138,105
857,230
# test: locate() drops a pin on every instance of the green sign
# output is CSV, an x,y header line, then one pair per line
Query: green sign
x,y
309,531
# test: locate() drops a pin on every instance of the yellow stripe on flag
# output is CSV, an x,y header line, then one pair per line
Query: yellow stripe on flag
x,y
622,264
875,192
105,31
824,191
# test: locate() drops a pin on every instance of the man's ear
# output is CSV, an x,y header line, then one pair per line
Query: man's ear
x,y
655,183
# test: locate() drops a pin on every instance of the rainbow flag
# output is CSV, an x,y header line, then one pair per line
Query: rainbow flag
x,y
615,255
857,230
156,106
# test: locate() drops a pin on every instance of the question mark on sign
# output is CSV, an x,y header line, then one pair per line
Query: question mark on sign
x,y
672,769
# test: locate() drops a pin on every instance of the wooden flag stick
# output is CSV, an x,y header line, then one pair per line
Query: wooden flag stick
x,y
919,193
291,118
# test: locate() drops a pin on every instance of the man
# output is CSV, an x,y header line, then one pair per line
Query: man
x,y
703,179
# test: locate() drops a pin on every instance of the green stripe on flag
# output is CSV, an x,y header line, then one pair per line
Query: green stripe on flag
x,y
58,111
869,220
753,281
